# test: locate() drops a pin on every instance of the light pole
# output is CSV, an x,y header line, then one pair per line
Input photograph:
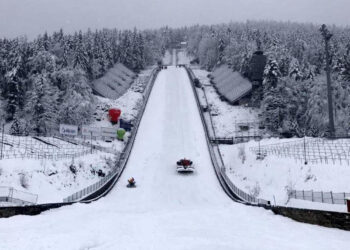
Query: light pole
x,y
91,140
327,37
2,140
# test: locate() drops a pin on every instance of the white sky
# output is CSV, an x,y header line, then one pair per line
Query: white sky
x,y
31,17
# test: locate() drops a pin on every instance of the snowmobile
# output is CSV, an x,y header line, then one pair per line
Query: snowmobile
x,y
184,165
131,183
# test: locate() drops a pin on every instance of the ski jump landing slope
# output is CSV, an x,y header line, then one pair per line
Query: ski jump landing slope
x,y
166,210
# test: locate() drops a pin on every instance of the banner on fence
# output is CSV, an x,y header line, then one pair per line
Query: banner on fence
x,y
109,132
68,130
88,131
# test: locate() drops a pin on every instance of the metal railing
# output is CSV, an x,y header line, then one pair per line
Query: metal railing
x,y
215,154
322,197
115,173
12,195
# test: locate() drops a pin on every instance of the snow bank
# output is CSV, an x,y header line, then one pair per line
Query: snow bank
x,y
273,176
52,180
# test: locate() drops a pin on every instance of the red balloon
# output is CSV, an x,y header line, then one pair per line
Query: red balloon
x,y
114,115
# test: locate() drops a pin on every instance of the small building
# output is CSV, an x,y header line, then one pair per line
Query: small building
x,y
183,45
230,85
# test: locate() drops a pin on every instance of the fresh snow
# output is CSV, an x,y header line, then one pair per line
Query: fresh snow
x,y
52,180
272,177
168,58
166,210
225,116
182,57
129,103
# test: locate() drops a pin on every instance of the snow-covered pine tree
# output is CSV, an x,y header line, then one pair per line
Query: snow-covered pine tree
x,y
13,95
221,49
42,105
140,53
18,126
294,70
272,104
317,112
80,57
77,104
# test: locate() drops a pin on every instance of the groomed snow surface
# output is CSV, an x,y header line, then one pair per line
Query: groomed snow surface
x,y
166,210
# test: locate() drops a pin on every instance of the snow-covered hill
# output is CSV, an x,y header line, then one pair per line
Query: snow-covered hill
x,y
166,210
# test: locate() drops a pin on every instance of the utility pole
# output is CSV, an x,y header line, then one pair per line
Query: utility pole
x,y
305,161
91,141
2,140
327,37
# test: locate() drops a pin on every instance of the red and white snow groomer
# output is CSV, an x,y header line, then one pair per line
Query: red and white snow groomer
x,y
184,165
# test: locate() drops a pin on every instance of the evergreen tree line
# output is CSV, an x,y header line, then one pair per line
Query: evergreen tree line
x,y
294,91
46,82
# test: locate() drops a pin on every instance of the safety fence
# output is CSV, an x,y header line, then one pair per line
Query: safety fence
x,y
232,190
233,140
322,197
82,140
35,147
313,150
114,174
53,155
14,196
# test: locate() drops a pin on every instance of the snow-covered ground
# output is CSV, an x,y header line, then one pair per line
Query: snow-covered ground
x,y
182,57
53,180
168,57
129,103
166,210
225,117
272,177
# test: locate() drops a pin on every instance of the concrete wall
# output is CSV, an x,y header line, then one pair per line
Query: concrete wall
x,y
6,212
316,217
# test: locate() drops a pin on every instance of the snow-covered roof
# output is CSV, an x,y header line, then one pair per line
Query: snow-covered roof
x,y
230,84
115,82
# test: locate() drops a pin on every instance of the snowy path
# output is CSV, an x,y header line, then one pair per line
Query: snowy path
x,y
166,210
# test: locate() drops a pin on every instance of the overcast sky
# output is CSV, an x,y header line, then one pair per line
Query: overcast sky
x,y
32,17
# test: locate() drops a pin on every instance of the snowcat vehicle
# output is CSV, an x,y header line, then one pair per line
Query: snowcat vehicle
x,y
184,165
